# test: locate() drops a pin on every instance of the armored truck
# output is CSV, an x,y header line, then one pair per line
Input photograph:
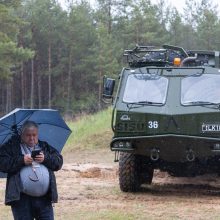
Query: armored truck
x,y
166,114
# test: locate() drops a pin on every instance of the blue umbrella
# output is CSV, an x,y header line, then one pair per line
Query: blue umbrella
x,y
52,128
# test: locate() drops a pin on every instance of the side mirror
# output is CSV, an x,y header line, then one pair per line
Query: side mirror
x,y
108,87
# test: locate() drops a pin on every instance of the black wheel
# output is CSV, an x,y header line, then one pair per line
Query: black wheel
x,y
147,175
129,172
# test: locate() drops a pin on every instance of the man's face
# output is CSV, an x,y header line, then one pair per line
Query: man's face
x,y
30,136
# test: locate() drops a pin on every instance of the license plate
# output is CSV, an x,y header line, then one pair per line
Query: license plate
x,y
211,127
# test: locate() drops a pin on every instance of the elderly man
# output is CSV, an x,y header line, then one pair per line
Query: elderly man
x,y
31,184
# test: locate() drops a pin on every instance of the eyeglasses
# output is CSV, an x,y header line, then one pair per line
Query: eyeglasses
x,y
34,179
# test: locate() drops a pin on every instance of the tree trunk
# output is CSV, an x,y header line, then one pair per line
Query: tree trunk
x,y
32,84
39,91
100,90
8,96
109,17
49,75
22,86
137,35
2,96
69,81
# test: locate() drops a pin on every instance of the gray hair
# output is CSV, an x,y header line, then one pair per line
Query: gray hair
x,y
27,125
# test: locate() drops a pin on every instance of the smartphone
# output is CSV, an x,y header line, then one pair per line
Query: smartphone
x,y
34,153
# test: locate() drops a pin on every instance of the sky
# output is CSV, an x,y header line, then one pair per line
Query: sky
x,y
179,4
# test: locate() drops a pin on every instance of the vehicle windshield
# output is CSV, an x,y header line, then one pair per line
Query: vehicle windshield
x,y
142,88
204,89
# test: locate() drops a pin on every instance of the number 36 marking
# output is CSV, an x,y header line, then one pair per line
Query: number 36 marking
x,y
153,124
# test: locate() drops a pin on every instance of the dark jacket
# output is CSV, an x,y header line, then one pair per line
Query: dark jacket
x,y
12,160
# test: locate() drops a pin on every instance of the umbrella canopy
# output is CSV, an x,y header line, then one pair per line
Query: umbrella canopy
x,y
52,128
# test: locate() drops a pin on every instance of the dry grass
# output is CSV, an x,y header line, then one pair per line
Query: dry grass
x,y
99,197
5,211
89,190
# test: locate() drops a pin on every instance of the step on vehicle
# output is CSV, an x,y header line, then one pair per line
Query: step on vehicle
x,y
166,114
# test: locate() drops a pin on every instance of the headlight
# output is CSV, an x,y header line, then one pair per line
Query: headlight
x,y
121,144
115,145
216,146
127,144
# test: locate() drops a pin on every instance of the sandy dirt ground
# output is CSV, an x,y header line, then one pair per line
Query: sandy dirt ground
x,y
88,189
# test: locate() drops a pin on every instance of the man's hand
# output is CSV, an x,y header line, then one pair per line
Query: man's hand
x,y
28,159
39,158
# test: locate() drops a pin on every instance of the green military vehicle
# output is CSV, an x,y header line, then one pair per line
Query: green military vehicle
x,y
166,114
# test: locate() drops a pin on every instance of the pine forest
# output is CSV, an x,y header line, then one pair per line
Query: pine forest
x,y
55,57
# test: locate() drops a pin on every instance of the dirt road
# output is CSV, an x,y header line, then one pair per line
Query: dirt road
x,y
89,190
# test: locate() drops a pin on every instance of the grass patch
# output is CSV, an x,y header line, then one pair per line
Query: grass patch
x,y
5,212
98,215
107,215
90,132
